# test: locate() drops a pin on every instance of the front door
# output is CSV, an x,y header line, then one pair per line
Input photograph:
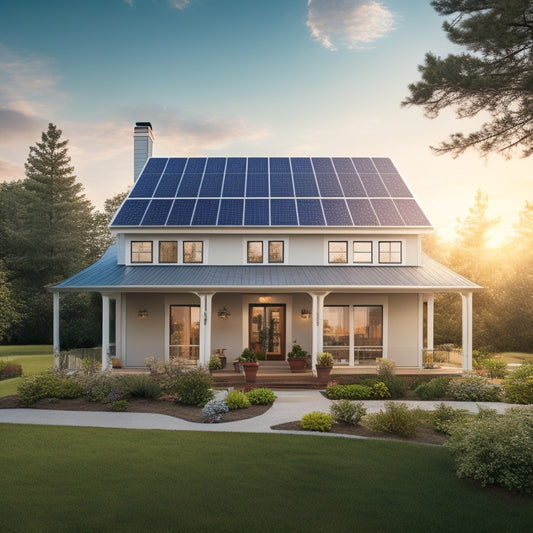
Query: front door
x,y
267,330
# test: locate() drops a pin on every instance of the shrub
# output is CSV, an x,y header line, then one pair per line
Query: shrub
x,y
348,392
297,351
518,387
213,411
33,388
194,387
324,360
435,388
444,417
397,419
237,400
348,412
166,373
215,363
316,421
9,370
496,367
261,396
473,388
118,405
379,391
395,384
248,356
496,449
141,386
96,387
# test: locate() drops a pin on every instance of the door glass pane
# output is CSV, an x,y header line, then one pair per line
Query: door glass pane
x,y
337,333
267,323
368,333
184,332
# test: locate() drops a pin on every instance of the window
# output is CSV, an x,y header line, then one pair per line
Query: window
x,y
168,251
255,252
193,251
367,333
275,252
362,252
141,251
390,252
184,341
337,252
337,333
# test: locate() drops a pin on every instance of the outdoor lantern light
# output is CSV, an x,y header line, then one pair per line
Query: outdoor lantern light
x,y
143,313
305,314
224,313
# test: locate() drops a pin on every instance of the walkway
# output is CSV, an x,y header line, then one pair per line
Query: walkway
x,y
290,406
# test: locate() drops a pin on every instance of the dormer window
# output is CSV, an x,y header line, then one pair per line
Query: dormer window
x,y
362,252
390,252
337,252
141,251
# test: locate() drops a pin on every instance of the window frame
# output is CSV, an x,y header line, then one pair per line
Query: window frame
x,y
177,253
270,261
140,252
390,252
345,262
184,256
262,256
371,252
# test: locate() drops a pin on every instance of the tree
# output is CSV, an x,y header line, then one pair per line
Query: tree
x,y
495,76
9,315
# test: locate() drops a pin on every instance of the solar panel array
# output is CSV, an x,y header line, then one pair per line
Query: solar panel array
x,y
275,191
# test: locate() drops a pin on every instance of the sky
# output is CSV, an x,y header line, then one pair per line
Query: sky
x,y
240,78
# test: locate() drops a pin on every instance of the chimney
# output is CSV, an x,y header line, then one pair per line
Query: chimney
x,y
143,140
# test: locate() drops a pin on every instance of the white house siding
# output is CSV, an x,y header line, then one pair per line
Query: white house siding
x,y
403,334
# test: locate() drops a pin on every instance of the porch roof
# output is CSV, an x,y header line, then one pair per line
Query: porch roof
x,y
107,276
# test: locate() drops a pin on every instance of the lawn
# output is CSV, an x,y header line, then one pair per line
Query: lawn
x,y
87,479
33,358
516,357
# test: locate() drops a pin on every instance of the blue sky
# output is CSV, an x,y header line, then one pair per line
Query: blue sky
x,y
238,77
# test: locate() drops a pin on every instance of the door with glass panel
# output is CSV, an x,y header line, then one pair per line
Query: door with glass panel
x,y
367,334
267,330
184,341
337,333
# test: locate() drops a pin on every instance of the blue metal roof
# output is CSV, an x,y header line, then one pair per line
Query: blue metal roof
x,y
106,275
270,192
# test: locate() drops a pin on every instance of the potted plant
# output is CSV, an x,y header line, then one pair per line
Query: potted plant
x,y
116,362
324,364
297,358
248,361
215,363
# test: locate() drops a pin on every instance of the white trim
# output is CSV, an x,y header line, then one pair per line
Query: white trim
x,y
56,332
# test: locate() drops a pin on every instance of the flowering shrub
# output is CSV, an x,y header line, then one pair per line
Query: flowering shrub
x,y
518,387
316,421
261,396
213,411
496,449
348,412
97,386
237,400
473,388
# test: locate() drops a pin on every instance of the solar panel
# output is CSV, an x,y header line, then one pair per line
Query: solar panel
x,y
310,213
336,212
283,212
211,184
322,164
215,164
168,185
281,185
195,164
157,213
231,212
384,165
328,184
301,164
363,164
256,212
234,184
386,212
373,185
352,186
362,212
176,164
145,185
257,164
343,165
305,185
279,164
206,212
236,164
181,212
257,185
189,185
396,185
155,165
131,213
411,212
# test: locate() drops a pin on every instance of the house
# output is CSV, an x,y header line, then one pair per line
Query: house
x,y
262,252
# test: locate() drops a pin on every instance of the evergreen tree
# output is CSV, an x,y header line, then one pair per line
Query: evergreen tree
x,y
494,76
9,315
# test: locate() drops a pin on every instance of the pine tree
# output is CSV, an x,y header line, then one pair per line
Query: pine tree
x,y
494,76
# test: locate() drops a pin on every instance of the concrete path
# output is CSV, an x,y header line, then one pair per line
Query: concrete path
x,y
289,406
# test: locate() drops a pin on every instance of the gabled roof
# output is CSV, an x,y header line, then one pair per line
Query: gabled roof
x,y
106,275
270,192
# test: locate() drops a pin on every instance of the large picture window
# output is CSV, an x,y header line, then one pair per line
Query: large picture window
x,y
367,333
184,342
337,252
390,252
141,251
193,251
337,333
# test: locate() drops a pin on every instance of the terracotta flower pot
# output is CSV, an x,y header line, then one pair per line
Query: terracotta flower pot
x,y
322,373
297,364
250,371
116,362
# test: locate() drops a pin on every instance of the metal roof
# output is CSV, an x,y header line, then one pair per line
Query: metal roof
x,y
107,276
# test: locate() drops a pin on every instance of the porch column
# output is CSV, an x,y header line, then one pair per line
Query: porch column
x,y
205,327
56,341
318,326
105,331
430,320
467,330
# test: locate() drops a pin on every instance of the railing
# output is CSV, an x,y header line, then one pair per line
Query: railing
x,y
444,354
73,359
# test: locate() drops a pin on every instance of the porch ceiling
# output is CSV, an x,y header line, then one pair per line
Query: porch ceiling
x,y
106,276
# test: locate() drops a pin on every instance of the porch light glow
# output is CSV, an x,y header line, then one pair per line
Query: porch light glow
x,y
305,314
265,299
143,313
224,313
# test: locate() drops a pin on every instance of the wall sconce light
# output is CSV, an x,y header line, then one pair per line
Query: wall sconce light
x,y
224,313
143,313
305,314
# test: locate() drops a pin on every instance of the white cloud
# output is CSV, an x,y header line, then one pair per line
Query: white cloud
x,y
352,24
179,4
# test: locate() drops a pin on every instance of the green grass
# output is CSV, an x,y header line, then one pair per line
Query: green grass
x,y
34,359
64,479
516,357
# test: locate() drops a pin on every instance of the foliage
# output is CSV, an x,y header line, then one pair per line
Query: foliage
x,y
493,76
213,411
397,418
194,387
34,388
215,363
347,412
248,356
356,391
433,389
324,360
473,388
518,387
237,400
395,384
9,370
494,366
10,315
316,421
141,386
117,405
91,365
444,417
297,351
96,387
166,373
261,396
379,391
496,449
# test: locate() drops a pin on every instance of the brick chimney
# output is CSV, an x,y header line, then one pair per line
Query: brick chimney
x,y
143,141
